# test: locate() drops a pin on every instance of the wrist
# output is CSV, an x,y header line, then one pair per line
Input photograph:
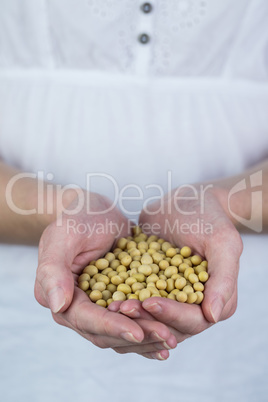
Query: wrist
x,y
235,202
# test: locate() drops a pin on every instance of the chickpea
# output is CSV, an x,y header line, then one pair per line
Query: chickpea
x,y
106,271
129,281
111,287
152,278
119,296
123,275
203,276
110,257
188,289
180,283
95,295
114,264
155,268
170,285
163,264
151,239
99,286
124,288
200,297
161,284
191,298
146,259
140,277
165,246
171,270
84,285
132,296
121,243
102,263
134,253
171,252
126,260
171,296
134,264
193,278
198,287
141,267
103,278
186,251
181,296
163,293
176,260
196,260
199,268
116,280
111,274
131,244
121,268
106,294
109,301
157,257
90,270
92,282
155,245
136,230
101,303
183,267
143,245
187,272
145,270
137,286
144,294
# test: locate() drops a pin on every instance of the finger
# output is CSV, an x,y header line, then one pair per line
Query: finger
x,y
54,280
133,309
88,318
187,319
152,340
149,344
141,349
223,266
163,355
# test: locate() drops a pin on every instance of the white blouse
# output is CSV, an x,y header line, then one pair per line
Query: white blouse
x,y
139,92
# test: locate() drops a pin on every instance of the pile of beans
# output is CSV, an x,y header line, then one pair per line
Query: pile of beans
x,y
144,266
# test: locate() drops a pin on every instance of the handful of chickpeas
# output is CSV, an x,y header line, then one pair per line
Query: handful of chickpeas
x,y
144,266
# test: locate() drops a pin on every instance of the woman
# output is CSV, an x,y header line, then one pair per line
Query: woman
x,y
96,95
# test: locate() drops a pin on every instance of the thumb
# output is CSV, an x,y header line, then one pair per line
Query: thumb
x,y
221,287
54,286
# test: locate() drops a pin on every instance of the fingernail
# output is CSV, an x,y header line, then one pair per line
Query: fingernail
x,y
155,334
56,299
134,313
166,346
159,357
128,336
216,309
153,308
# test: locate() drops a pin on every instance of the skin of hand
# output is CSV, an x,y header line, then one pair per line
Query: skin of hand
x,y
63,253
221,245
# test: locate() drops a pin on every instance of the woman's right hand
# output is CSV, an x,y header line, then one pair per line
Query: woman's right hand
x,y
66,247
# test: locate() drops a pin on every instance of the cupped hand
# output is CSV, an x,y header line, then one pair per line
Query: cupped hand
x,y
79,235
201,223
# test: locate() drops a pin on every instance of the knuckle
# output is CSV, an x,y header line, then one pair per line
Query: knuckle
x,y
98,342
121,351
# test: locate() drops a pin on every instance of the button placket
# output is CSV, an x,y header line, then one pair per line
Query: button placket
x,y
144,37
147,8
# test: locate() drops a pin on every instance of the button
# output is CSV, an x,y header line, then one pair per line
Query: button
x,y
146,7
144,38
